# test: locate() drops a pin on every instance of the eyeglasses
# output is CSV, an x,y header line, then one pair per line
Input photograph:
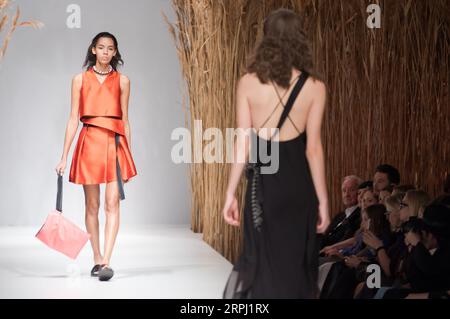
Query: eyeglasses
x,y
403,205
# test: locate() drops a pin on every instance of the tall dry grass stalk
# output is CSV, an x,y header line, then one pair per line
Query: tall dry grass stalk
x,y
5,16
388,90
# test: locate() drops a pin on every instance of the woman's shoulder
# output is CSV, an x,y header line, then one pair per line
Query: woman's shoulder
x,y
78,76
248,82
77,79
316,85
124,80
248,78
316,91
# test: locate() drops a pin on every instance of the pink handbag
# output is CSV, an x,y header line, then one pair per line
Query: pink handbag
x,y
60,233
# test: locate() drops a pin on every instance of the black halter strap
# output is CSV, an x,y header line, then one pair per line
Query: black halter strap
x,y
290,103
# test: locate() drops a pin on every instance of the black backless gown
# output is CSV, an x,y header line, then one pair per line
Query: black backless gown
x,y
280,253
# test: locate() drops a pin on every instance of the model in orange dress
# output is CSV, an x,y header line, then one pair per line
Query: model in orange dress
x,y
102,154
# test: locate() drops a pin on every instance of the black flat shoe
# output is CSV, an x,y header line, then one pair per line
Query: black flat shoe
x,y
95,270
105,273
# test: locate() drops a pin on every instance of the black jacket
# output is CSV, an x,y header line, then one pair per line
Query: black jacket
x,y
426,272
342,228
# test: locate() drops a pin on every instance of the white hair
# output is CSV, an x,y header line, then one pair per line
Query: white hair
x,y
357,179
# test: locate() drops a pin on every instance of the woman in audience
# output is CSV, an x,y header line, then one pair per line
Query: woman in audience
x,y
368,198
342,277
384,194
389,258
361,189
428,264
392,204
413,204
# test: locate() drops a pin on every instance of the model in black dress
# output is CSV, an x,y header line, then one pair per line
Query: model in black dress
x,y
280,254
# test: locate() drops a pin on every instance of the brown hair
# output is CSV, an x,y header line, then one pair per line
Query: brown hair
x,y
393,201
378,222
402,189
284,46
418,200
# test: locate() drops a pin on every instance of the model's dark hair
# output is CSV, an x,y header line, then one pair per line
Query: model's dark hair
x,y
391,172
284,46
91,59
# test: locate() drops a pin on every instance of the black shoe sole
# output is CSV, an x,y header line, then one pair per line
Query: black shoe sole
x,y
95,273
105,274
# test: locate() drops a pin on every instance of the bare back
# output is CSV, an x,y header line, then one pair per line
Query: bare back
x,y
265,107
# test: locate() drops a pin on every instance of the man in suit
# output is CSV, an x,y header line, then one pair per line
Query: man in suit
x,y
347,222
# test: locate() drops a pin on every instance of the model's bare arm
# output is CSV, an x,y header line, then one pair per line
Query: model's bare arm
x,y
314,151
241,150
72,123
124,99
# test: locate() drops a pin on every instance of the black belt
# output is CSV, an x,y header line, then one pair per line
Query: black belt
x,y
119,174
253,173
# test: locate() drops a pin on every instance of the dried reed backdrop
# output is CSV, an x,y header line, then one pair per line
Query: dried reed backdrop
x,y
5,16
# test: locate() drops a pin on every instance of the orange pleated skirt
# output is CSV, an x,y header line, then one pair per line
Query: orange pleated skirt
x,y
94,157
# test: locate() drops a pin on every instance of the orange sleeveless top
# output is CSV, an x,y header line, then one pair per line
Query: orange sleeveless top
x,y
100,102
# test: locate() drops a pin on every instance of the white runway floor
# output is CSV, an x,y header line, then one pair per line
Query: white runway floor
x,y
153,262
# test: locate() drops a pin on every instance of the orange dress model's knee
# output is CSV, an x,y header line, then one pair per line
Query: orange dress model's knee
x,y
94,157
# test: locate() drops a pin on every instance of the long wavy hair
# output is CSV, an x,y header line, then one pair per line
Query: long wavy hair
x,y
284,46
91,58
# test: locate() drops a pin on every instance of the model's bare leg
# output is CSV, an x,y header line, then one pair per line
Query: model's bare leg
x,y
92,204
112,219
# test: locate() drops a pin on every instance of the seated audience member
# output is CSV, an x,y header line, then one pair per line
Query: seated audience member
x,y
413,204
368,198
428,263
345,223
384,194
342,276
385,175
361,189
392,204
388,257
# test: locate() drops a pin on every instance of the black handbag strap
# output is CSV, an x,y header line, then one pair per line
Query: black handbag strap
x,y
59,193
119,173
